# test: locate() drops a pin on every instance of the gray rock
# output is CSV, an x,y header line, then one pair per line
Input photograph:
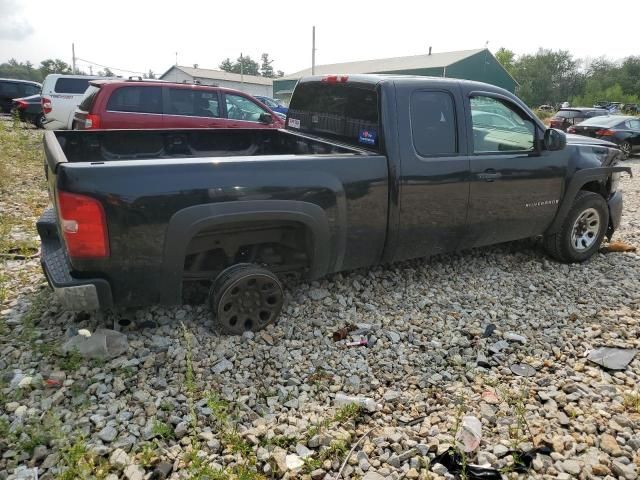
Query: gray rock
x,y
393,337
318,294
134,472
108,434
119,459
303,451
439,469
319,440
629,472
222,366
181,429
373,476
514,337
572,467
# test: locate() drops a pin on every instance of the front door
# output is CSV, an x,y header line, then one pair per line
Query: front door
x,y
515,188
434,171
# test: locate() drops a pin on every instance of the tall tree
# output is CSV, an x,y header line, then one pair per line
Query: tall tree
x,y
226,65
150,75
266,70
50,65
506,58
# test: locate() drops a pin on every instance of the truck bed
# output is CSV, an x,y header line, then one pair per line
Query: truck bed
x,y
112,145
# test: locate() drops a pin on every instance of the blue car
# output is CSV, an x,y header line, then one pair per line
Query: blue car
x,y
273,104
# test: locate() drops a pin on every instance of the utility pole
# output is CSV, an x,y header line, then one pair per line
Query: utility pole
x,y
73,58
313,50
90,69
241,73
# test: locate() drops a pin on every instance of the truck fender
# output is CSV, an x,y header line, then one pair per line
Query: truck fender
x,y
186,223
579,180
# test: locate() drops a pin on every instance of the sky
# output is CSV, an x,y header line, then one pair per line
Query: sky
x,y
139,35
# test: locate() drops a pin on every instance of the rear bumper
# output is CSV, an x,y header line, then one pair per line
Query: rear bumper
x,y
73,293
615,212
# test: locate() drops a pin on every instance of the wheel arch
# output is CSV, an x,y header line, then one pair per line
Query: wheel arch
x,y
590,179
185,224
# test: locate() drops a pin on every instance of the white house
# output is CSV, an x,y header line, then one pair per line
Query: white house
x,y
245,83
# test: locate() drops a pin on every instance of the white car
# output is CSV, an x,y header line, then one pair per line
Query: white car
x,y
61,94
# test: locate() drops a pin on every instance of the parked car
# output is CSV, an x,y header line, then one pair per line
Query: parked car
x,y
630,108
352,181
29,109
546,108
11,88
565,117
273,104
129,104
611,107
61,94
622,130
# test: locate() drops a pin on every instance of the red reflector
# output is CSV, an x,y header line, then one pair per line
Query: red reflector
x,y
46,104
335,79
22,105
605,133
92,121
84,226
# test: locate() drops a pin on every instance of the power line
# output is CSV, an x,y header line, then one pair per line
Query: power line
x,y
110,68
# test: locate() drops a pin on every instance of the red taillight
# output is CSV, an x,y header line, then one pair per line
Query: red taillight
x,y
21,104
83,225
46,104
571,130
92,121
335,79
605,132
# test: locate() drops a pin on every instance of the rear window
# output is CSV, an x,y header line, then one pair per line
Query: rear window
x,y
602,121
89,97
346,112
9,89
566,113
71,85
136,100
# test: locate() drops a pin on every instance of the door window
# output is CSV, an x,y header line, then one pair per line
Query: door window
x,y
193,103
136,100
433,123
633,125
241,108
499,126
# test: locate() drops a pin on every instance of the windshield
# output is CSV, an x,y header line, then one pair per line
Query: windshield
x,y
346,112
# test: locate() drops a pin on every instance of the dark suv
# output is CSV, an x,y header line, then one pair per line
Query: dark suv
x,y
132,104
11,88
565,117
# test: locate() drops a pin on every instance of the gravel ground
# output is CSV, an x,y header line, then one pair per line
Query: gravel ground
x,y
185,402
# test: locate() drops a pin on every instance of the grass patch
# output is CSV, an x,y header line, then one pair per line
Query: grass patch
x,y
631,402
162,430
78,462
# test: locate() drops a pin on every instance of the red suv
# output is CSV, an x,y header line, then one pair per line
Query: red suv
x,y
126,104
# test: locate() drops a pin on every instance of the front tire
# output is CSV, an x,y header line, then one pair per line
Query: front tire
x,y
582,231
245,297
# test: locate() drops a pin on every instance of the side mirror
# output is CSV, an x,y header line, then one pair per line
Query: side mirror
x,y
266,118
554,139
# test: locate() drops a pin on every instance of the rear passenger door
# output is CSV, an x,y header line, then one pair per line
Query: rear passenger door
x,y
133,107
434,170
192,108
515,188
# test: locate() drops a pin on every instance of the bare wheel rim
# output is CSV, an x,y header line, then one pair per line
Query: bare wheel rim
x,y
250,303
585,230
626,148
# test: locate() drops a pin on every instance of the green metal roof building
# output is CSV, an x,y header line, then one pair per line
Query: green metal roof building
x,y
479,64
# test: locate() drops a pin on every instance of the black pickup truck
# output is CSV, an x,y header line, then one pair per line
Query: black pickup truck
x,y
369,169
